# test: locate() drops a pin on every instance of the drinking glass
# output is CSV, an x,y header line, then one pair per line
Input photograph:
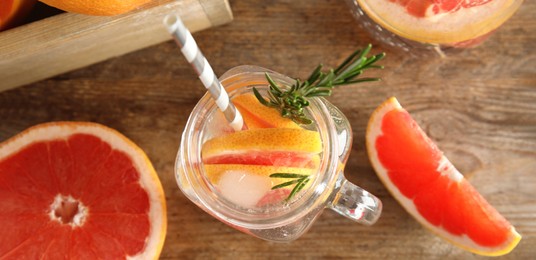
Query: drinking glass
x,y
287,221
422,27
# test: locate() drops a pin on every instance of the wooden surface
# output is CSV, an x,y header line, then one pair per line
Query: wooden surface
x,y
69,41
479,106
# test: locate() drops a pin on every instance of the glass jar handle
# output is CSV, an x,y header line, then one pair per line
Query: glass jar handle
x,y
356,203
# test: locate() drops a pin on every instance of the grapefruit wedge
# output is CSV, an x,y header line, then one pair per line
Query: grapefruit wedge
x,y
428,186
264,146
78,191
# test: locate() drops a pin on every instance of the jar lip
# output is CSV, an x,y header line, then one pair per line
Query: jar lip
x,y
234,80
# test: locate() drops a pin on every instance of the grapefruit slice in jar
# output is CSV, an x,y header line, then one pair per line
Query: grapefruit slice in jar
x,y
79,191
264,146
440,22
240,164
428,186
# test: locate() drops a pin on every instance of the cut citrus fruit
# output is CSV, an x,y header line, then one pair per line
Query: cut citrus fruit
x,y
428,186
264,146
96,7
79,191
257,115
13,11
443,21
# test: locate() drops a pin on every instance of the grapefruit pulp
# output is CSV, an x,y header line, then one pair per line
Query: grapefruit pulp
x,y
428,186
72,190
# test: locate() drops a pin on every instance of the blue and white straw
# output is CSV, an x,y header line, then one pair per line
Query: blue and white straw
x,y
193,55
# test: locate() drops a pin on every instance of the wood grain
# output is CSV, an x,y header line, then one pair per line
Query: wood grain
x,y
478,105
70,41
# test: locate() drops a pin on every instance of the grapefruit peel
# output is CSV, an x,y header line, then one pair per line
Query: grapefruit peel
x,y
257,115
148,178
446,169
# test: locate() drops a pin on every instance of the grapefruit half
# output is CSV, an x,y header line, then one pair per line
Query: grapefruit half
x,y
440,21
428,186
78,191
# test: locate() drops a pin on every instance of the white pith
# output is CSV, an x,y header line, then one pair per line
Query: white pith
x,y
148,179
445,167
78,219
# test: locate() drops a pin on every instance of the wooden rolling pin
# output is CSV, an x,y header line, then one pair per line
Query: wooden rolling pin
x,y
67,41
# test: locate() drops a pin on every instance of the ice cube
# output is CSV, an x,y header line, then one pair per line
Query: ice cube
x,y
243,188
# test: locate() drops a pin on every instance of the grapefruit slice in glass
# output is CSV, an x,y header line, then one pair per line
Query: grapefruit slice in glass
x,y
440,21
428,186
264,146
78,191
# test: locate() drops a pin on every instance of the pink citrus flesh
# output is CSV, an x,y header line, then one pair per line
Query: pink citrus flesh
x,y
430,188
81,191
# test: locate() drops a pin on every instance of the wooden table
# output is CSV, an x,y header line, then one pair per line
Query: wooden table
x,y
479,106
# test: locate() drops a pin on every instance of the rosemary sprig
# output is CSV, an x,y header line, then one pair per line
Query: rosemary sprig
x,y
300,180
292,101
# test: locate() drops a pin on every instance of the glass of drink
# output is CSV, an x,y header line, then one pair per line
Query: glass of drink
x,y
235,179
432,25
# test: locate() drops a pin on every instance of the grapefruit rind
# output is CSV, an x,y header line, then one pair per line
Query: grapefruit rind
x,y
264,139
446,28
257,115
148,177
464,242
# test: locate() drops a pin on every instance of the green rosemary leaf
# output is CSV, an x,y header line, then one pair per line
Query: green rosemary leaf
x,y
260,98
315,75
285,184
362,80
288,175
302,120
319,93
273,85
297,188
347,60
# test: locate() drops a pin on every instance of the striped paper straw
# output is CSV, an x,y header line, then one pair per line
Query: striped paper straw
x,y
193,55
